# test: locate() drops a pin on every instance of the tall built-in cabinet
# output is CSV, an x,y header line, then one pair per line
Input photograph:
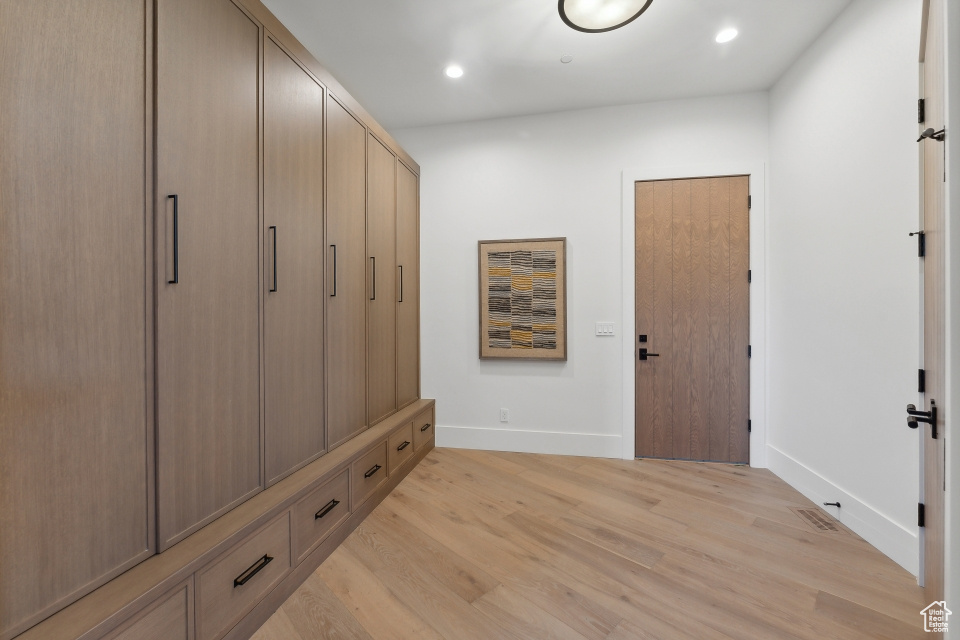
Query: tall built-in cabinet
x,y
346,304
76,425
408,276
382,282
208,294
293,236
208,262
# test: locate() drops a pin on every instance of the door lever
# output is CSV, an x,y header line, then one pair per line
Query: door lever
x,y
644,354
928,417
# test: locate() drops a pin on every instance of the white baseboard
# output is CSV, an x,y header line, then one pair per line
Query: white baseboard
x,y
899,544
549,442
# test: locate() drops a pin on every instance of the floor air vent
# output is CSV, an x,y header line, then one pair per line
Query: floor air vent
x,y
817,520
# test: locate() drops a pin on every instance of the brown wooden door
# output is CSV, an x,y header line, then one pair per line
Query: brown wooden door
x,y
293,232
382,274
208,322
75,433
408,274
934,311
692,307
346,304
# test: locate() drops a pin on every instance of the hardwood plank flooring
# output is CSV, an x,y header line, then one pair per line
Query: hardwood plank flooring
x,y
489,545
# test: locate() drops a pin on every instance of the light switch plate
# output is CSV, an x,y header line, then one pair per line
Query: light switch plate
x,y
605,329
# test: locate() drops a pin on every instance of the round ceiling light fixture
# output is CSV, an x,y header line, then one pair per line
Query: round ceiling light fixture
x,y
727,35
597,16
453,71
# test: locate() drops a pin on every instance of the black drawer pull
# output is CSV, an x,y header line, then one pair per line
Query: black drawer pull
x,y
254,569
424,427
372,470
406,443
330,506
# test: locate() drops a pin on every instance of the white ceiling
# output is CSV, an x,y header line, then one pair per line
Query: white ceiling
x,y
390,54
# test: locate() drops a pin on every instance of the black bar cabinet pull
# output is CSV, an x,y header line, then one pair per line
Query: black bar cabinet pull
x,y
373,270
254,569
176,239
372,470
273,289
327,508
334,294
424,427
400,267
406,443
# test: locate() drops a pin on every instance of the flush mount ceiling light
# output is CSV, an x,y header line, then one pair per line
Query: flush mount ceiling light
x,y
597,16
453,71
726,35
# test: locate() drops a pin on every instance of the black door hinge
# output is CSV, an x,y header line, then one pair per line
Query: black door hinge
x,y
921,242
922,381
921,516
921,111
749,202
749,275
749,426
749,350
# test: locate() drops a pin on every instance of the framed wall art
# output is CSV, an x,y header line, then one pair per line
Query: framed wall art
x,y
523,299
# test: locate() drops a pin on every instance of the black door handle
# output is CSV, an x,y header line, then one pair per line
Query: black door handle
x,y
644,354
928,417
176,239
334,294
273,289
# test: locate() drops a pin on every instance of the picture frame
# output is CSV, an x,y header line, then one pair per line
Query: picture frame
x,y
523,299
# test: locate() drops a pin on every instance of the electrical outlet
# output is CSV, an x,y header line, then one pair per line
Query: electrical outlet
x,y
504,415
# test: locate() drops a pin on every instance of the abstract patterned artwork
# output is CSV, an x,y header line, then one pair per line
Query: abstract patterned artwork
x,y
522,299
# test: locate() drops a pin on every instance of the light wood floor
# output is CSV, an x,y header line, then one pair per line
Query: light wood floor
x,y
484,545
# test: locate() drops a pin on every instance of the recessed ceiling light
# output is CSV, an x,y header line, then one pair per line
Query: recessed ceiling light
x,y
727,35
595,16
453,71
565,58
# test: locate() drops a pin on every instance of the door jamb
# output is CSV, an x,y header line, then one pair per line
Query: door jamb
x,y
756,169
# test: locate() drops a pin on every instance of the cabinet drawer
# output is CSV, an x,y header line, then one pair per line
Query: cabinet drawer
x,y
320,512
169,618
423,428
229,587
368,473
400,446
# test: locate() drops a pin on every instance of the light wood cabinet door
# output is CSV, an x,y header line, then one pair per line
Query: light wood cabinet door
x,y
382,280
293,233
346,300
208,263
75,432
408,272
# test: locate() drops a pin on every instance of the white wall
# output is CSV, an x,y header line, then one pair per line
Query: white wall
x,y
544,176
843,276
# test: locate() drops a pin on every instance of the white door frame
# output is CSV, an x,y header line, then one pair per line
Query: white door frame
x,y
756,169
